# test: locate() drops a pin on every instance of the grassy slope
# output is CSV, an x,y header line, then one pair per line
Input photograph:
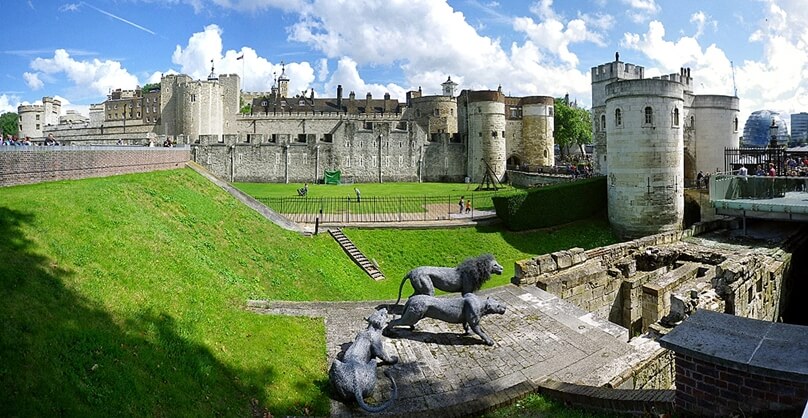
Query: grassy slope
x,y
397,251
124,295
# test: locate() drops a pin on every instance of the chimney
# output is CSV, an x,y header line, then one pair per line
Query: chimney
x,y
339,97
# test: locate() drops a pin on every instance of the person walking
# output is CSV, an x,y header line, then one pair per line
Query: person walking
x,y
460,203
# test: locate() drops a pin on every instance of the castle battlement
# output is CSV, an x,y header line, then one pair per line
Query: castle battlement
x,y
30,108
617,69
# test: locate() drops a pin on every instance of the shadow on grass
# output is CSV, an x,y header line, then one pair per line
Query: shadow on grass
x,y
61,354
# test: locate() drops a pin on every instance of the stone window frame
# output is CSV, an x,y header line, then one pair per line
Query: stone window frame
x,y
328,138
603,122
675,117
618,118
550,111
648,116
735,124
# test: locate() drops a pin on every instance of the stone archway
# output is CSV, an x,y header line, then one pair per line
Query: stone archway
x,y
513,162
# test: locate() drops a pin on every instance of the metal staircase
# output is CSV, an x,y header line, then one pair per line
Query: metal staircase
x,y
356,255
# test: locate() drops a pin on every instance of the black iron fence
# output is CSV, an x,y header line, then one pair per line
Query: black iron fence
x,y
307,209
752,157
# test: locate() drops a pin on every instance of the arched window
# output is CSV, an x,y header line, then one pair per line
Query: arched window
x,y
603,122
735,125
618,117
692,122
649,115
676,116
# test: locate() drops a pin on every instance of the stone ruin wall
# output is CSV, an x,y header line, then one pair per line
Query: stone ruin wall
x,y
652,283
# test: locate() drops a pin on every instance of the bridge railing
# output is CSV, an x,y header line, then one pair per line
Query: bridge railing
x,y
727,186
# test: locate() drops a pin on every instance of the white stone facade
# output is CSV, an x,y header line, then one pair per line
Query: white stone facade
x,y
34,119
651,137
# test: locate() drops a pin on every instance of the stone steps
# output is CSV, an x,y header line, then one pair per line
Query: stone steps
x,y
356,255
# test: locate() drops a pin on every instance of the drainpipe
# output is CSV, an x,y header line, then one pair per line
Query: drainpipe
x,y
232,162
420,162
317,165
380,159
286,163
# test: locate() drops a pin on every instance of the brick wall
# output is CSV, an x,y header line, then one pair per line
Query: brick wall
x,y
709,389
27,165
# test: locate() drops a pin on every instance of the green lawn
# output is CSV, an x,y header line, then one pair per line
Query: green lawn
x,y
266,190
125,296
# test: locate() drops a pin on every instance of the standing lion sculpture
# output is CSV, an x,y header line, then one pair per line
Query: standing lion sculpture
x,y
467,277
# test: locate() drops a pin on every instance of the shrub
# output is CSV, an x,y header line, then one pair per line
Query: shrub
x,y
552,205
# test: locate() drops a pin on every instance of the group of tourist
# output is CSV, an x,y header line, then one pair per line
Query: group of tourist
x,y
13,141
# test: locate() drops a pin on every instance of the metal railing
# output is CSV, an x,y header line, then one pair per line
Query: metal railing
x,y
305,209
726,186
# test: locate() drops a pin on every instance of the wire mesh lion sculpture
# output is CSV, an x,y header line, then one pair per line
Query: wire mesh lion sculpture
x,y
354,377
467,277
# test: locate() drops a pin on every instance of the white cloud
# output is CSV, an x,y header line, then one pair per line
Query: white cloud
x,y
701,20
94,75
8,103
257,73
778,80
32,80
641,11
348,76
552,35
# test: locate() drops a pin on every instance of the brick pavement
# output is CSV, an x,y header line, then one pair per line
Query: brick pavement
x,y
442,373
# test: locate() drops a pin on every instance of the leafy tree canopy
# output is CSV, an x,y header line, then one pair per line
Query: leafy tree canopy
x,y
9,123
151,86
573,125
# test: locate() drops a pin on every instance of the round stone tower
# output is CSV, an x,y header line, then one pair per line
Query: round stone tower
x,y
537,130
485,115
716,128
646,156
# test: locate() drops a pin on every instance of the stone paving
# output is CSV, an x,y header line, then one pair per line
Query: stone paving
x,y
442,372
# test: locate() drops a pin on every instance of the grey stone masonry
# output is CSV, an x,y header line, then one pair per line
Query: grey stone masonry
x,y
728,365
443,373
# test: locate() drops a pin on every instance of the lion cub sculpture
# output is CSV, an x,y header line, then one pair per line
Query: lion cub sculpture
x,y
467,277
354,377
466,310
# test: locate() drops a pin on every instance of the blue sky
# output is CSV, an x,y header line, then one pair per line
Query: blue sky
x,y
78,51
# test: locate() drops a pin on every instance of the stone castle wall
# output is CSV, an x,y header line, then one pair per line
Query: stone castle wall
x,y
28,165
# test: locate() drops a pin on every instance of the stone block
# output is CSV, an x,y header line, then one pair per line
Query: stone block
x,y
546,263
563,259
578,255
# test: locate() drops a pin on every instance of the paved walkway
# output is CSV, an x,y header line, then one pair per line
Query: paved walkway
x,y
444,373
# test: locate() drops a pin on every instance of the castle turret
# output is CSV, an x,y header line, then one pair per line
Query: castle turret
x,y
715,120
538,144
449,87
646,156
486,133
602,75
283,83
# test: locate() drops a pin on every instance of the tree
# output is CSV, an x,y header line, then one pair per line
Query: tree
x,y
9,123
151,86
573,126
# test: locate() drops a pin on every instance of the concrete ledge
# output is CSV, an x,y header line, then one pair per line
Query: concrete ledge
x,y
766,348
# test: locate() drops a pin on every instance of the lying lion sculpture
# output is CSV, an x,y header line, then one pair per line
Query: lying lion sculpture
x,y
466,310
467,277
355,376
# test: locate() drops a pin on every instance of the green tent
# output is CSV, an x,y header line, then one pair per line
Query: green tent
x,y
332,177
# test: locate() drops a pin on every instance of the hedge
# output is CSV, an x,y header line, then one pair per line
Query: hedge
x,y
552,205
